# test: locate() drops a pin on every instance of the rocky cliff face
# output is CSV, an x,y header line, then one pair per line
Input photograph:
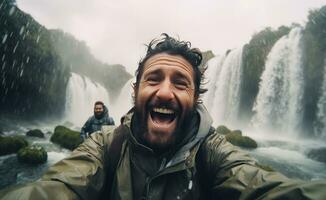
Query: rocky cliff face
x,y
77,56
33,77
35,66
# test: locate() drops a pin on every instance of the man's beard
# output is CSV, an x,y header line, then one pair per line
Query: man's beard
x,y
141,130
98,115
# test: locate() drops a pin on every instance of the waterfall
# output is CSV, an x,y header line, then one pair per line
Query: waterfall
x,y
81,94
211,74
223,98
124,102
320,128
278,106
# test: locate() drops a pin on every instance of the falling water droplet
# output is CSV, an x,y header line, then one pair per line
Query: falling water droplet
x,y
3,65
38,38
4,38
21,30
13,64
21,73
15,47
12,10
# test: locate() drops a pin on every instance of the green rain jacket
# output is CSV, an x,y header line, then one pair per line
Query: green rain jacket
x,y
207,167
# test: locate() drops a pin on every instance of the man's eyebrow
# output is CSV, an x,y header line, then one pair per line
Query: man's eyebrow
x,y
149,72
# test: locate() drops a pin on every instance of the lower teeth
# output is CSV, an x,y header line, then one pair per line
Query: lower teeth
x,y
159,117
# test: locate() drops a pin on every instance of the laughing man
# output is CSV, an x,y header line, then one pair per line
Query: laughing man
x,y
165,147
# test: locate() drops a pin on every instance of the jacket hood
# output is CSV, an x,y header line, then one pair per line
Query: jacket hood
x,y
106,111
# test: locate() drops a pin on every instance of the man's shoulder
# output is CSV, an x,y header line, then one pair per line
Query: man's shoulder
x,y
214,139
109,132
215,143
90,119
108,129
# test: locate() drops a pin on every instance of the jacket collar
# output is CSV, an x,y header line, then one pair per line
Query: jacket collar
x,y
205,122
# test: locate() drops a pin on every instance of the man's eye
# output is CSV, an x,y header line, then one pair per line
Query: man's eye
x,y
182,85
152,80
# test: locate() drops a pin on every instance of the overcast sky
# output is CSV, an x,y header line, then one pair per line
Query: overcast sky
x,y
116,30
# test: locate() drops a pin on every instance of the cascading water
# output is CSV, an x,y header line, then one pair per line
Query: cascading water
x,y
211,75
320,129
278,105
123,102
223,100
81,95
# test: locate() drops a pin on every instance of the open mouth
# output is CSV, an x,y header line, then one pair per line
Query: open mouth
x,y
163,116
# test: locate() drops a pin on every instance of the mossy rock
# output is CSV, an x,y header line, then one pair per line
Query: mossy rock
x,y
66,137
11,144
223,130
32,155
239,132
241,141
35,133
318,154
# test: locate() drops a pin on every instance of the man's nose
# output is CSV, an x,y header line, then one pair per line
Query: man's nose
x,y
165,92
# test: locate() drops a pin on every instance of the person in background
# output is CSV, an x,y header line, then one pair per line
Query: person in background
x,y
94,123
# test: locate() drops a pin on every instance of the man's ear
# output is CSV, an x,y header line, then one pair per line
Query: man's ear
x,y
196,99
134,94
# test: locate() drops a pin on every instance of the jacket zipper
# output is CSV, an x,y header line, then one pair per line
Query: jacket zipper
x,y
162,166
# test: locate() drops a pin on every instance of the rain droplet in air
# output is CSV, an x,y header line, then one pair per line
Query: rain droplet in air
x,y
4,38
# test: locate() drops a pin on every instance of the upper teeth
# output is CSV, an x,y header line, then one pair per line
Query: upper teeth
x,y
163,110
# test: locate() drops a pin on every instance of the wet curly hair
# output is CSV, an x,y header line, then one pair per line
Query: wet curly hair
x,y
172,46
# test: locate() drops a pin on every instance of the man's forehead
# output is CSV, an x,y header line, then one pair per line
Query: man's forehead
x,y
162,59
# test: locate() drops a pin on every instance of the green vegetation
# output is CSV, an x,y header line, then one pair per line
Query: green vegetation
x,y
241,141
254,57
223,130
11,144
66,138
235,137
314,62
35,133
77,55
239,132
32,155
36,65
32,74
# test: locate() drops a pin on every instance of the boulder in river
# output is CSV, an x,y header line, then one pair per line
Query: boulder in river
x,y
242,141
66,137
11,144
223,130
318,154
32,155
35,133
235,137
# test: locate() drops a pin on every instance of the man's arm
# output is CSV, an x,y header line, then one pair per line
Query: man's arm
x,y
232,174
111,121
79,176
85,129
